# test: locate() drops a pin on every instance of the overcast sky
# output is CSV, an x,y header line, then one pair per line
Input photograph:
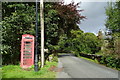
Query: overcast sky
x,y
95,13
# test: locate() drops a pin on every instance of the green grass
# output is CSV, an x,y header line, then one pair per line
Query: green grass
x,y
0,73
95,61
62,53
15,71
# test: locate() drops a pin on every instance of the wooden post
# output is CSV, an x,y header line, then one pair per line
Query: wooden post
x,y
42,32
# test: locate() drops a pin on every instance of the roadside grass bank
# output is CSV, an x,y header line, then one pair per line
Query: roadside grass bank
x,y
0,72
15,71
101,63
95,61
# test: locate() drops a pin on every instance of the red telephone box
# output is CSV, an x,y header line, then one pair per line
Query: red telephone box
x,y
27,51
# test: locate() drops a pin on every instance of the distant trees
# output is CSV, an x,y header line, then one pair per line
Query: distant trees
x,y
93,42
81,42
100,35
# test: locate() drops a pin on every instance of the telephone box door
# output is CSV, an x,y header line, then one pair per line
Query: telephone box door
x,y
27,51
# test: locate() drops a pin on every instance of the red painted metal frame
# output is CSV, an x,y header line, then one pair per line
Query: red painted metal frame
x,y
27,60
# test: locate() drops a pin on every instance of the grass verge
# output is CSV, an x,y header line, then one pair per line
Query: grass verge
x,y
0,73
15,71
95,61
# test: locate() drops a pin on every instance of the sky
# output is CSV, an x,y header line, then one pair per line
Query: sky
x,y
95,14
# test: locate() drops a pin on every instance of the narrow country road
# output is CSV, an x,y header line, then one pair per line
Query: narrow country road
x,y
74,67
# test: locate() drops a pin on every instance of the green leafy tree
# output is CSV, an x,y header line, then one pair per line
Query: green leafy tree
x,y
113,24
113,16
81,42
60,21
92,42
111,44
70,16
18,19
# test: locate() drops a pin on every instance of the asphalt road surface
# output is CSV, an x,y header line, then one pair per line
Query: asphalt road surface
x,y
74,67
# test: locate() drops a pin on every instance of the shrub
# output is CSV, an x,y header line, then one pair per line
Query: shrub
x,y
110,61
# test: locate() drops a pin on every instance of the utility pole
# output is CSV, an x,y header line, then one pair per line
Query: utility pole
x,y
42,32
36,41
